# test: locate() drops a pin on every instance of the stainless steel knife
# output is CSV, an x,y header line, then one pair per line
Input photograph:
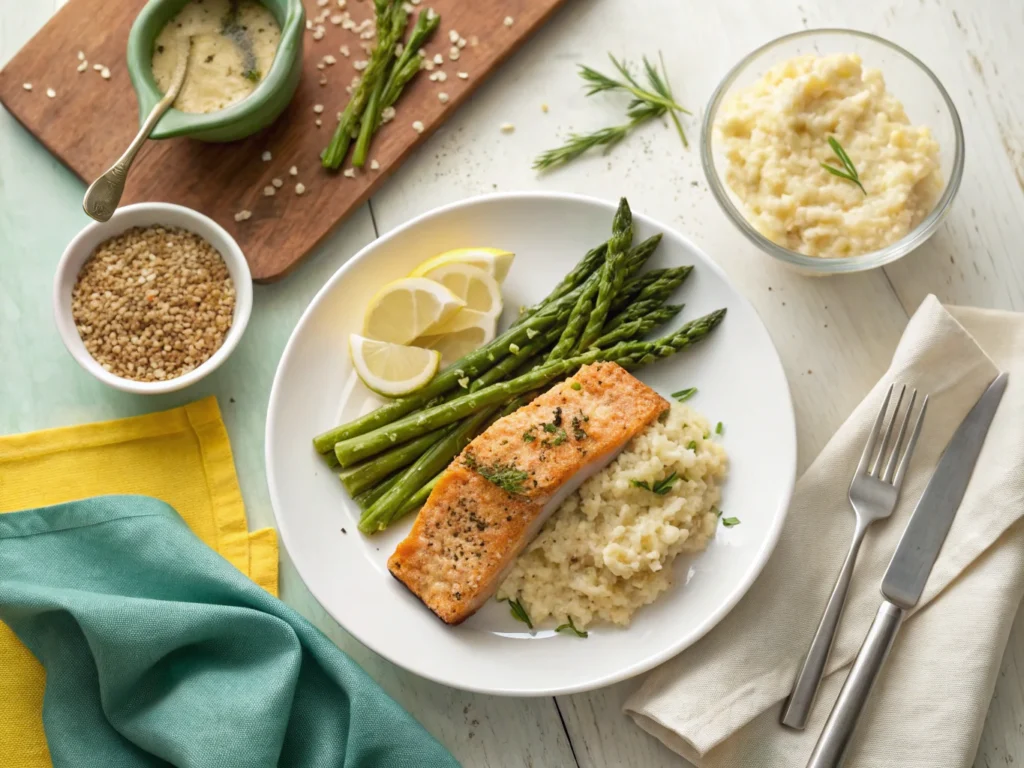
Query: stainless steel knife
x,y
908,572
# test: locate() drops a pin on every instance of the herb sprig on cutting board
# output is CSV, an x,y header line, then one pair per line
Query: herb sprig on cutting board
x,y
649,102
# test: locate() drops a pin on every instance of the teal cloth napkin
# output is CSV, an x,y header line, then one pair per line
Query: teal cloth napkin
x,y
159,652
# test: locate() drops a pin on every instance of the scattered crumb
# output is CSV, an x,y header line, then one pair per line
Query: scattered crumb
x,y
453,36
243,215
231,399
344,531
507,127
460,43
418,126
105,73
323,79
81,55
442,97
269,191
464,75
439,77
322,3
27,86
454,54
427,64
98,67
344,51
543,107
360,65
350,172
509,21
321,65
318,108
266,156
293,171
51,93
374,165
438,58
330,60
300,188
83,66
318,122
387,114
318,33
277,182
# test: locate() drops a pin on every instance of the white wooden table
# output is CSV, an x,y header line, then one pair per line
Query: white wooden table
x,y
835,335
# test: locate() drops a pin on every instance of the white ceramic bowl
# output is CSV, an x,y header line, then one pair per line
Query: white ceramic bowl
x,y
141,215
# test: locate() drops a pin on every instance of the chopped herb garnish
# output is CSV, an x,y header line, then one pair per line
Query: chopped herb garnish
x,y
717,511
577,430
550,428
560,438
707,435
661,487
519,613
570,627
529,437
577,386
729,522
557,420
692,445
506,476
719,428
848,171
513,348
684,394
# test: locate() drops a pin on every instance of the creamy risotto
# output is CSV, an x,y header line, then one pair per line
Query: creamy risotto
x,y
609,548
233,46
775,137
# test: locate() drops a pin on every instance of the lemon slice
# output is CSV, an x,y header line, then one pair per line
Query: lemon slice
x,y
457,344
392,369
472,285
493,261
407,308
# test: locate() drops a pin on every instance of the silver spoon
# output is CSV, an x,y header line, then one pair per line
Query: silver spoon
x,y
103,195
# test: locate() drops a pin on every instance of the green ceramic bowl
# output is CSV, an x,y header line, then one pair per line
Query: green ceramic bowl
x,y
257,110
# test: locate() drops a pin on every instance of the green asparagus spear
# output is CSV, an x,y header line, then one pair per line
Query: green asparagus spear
x,y
578,319
633,312
391,22
688,334
362,476
578,275
614,274
656,284
635,329
415,501
368,123
408,62
365,499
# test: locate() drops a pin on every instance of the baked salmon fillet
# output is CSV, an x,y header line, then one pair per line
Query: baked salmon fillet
x,y
496,495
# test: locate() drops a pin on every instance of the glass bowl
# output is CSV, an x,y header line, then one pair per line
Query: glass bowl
x,y
906,77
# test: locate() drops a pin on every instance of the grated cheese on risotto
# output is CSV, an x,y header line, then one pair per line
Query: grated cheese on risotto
x,y
608,550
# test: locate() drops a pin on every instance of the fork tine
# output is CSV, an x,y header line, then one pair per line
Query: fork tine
x,y
901,470
886,476
876,467
869,449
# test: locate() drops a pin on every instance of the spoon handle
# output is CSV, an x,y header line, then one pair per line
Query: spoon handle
x,y
103,195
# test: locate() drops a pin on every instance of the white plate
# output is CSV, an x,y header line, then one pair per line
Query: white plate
x,y
740,381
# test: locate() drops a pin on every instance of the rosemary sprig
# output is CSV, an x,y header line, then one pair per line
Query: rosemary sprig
x,y
569,626
661,487
848,171
519,613
648,102
684,394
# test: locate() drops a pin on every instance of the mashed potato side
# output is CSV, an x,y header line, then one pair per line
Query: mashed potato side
x,y
775,137
608,550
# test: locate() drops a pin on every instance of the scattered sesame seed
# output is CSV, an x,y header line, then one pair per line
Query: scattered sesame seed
x,y
293,171
323,79
422,52
83,66
453,36
318,33
330,60
277,182
464,75
418,126
360,65
27,86
309,23
51,93
442,76
464,382
366,34
266,156
318,122
98,67
387,114
336,19
321,65
243,215
342,3
507,127
543,107
350,172
442,97
318,108
321,3
461,42
300,188
81,55
269,191
427,64
374,165
438,58
509,21
105,73
454,54
344,51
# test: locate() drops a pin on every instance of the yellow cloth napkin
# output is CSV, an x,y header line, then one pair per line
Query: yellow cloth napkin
x,y
181,456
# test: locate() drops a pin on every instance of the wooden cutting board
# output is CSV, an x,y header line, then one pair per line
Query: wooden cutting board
x,y
90,120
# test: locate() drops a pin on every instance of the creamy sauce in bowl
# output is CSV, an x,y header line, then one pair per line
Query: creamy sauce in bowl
x,y
233,46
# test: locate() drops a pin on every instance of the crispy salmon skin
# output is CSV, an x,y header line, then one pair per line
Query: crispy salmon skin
x,y
496,495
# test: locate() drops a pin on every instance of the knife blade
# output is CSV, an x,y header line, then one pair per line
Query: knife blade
x,y
919,546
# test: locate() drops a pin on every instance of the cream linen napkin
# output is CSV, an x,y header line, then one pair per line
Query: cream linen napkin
x,y
717,704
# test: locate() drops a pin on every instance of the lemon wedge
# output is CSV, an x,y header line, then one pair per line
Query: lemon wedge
x,y
407,308
478,289
493,261
389,369
458,344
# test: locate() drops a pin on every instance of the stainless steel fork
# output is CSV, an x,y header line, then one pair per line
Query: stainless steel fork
x,y
873,494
